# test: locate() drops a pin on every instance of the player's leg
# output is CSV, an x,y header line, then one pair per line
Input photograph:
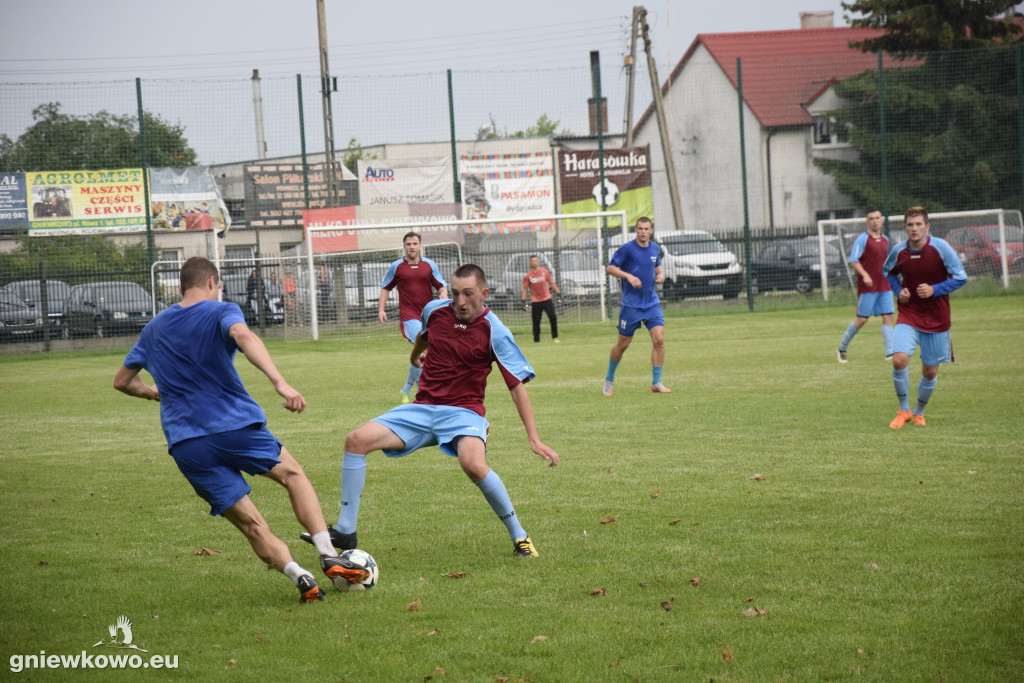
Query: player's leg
x,y
371,436
549,307
472,453
410,328
905,341
655,323
887,331
629,322
305,504
935,349
536,311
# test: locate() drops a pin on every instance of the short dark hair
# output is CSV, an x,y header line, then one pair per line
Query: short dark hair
x,y
471,270
643,219
871,209
412,234
195,272
916,211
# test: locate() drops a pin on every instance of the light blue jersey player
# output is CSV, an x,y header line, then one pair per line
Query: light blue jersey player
x,y
638,264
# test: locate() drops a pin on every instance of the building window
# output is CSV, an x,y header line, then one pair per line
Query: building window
x,y
170,255
829,132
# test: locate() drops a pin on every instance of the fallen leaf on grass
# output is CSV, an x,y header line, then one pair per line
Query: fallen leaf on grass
x,y
873,565
597,591
502,679
695,581
667,606
537,639
607,520
414,606
434,632
674,522
757,477
860,651
455,575
43,564
754,611
231,661
726,655
655,494
207,551
440,670
750,599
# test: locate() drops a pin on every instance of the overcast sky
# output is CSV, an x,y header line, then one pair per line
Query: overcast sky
x,y
72,40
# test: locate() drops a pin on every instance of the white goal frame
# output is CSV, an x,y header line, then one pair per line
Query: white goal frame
x,y
600,217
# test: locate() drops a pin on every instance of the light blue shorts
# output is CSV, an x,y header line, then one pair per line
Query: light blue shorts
x,y
410,328
875,303
213,464
420,426
936,347
631,318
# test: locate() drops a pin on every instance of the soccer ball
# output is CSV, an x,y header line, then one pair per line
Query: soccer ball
x,y
367,567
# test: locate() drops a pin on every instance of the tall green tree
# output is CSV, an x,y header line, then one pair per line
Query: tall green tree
x,y
58,141
927,26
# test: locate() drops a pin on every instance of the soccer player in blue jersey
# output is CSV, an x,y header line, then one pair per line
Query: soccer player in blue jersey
x,y
464,339
638,264
416,278
214,429
874,297
922,271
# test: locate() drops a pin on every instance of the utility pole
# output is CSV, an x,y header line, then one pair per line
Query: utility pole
x,y
659,108
630,74
326,86
257,105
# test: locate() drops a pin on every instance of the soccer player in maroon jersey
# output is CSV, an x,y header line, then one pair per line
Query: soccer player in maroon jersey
x,y
416,278
462,339
922,271
874,297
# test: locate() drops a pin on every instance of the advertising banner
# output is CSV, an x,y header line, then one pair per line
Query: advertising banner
x,y
384,182
340,239
275,194
186,199
13,202
513,186
627,178
86,202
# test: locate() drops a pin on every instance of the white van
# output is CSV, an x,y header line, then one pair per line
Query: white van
x,y
696,264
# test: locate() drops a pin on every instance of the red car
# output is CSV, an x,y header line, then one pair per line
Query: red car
x,y
978,248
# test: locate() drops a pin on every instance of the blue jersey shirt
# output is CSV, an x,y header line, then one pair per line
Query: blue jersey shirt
x,y
190,355
641,262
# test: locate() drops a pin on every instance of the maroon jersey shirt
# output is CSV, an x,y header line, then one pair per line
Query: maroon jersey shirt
x,y
875,250
460,356
416,283
922,267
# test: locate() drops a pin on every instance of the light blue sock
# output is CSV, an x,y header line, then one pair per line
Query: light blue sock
x,y
414,376
612,367
901,381
887,334
495,493
656,373
924,393
851,332
353,477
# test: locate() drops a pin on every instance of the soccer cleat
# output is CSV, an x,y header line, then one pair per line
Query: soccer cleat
x,y
889,356
556,340
309,591
660,388
341,571
918,420
841,355
902,418
405,397
523,547
607,389
338,540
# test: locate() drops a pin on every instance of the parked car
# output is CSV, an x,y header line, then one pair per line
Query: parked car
x,y
235,290
795,264
578,274
362,292
19,320
106,308
697,264
30,291
979,249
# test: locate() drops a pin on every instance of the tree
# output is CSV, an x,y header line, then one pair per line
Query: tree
x,y
352,154
544,127
59,141
926,26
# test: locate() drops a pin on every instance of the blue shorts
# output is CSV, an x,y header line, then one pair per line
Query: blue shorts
x,y
630,318
410,328
213,464
875,303
419,426
936,347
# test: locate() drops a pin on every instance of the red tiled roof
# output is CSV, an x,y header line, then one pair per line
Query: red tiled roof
x,y
784,70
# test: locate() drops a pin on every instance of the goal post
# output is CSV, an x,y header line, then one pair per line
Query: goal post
x,y
988,242
572,246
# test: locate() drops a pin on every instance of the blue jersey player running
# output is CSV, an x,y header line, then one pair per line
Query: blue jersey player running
x,y
638,264
214,429
874,297
922,271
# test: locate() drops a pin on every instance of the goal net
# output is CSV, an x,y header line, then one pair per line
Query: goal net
x,y
988,242
339,268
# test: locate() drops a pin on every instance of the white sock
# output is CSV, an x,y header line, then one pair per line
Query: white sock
x,y
323,544
293,571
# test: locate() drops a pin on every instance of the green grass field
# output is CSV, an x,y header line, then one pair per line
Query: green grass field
x,y
823,545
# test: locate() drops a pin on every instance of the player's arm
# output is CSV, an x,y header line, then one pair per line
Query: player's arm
x,y
957,275
525,409
551,281
442,292
127,381
615,271
856,251
256,352
659,274
382,315
860,270
419,347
